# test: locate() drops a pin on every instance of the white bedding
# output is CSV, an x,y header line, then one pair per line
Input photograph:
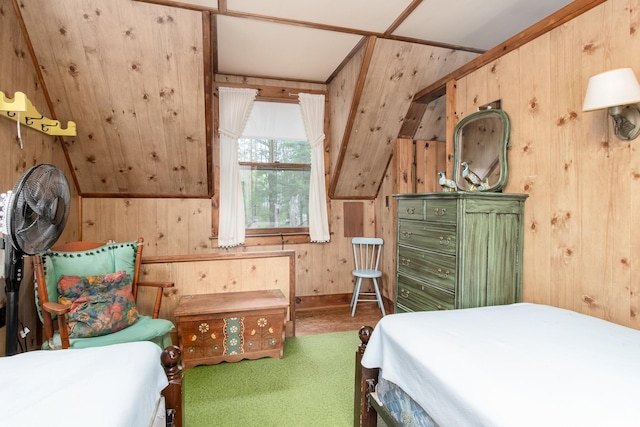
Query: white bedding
x,y
111,386
515,365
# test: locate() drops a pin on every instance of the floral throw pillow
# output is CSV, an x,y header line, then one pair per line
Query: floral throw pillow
x,y
100,305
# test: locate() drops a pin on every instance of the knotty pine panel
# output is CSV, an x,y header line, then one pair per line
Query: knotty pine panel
x,y
434,120
430,159
403,166
179,227
168,226
386,210
530,153
396,72
19,74
341,100
622,264
563,175
581,244
133,80
194,277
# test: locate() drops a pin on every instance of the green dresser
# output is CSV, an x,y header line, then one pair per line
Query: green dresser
x,y
458,250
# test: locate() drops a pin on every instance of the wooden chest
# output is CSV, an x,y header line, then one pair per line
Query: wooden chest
x,y
228,327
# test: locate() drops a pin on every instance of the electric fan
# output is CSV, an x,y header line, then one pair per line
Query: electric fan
x,y
32,217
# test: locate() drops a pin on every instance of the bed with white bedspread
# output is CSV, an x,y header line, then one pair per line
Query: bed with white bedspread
x,y
110,386
513,365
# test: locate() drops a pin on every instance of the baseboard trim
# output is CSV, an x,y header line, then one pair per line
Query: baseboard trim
x,y
316,302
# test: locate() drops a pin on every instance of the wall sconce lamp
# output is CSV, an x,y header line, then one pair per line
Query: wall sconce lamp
x,y
619,91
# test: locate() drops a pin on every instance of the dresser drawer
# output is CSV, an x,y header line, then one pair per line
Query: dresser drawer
x,y
441,238
441,210
419,296
436,268
411,209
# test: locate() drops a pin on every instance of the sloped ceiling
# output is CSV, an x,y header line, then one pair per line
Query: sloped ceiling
x,y
136,75
308,40
131,76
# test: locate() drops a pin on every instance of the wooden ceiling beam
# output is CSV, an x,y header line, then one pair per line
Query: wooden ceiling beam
x,y
362,77
209,63
403,16
223,10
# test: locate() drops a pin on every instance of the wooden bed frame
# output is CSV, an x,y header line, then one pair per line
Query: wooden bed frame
x,y
366,407
170,359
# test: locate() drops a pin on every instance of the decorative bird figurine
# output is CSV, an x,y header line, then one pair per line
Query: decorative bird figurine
x,y
475,183
446,184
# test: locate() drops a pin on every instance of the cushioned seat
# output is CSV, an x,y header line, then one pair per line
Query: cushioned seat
x,y
145,329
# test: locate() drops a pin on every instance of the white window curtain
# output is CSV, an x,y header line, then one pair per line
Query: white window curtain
x,y
235,106
275,120
312,107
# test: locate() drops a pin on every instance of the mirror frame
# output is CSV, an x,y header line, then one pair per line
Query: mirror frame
x,y
502,154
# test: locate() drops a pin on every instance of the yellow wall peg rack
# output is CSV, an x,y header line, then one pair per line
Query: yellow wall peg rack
x,y
21,110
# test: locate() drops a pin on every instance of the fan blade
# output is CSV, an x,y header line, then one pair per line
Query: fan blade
x,y
39,209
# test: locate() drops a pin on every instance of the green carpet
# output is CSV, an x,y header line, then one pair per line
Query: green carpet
x,y
312,385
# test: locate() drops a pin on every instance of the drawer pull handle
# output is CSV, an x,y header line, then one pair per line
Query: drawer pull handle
x,y
445,242
443,274
440,211
411,211
406,234
405,261
404,293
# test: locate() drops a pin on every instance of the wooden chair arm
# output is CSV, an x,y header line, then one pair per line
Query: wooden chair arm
x,y
61,311
162,285
55,308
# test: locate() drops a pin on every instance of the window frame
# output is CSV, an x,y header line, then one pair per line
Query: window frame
x,y
265,236
275,166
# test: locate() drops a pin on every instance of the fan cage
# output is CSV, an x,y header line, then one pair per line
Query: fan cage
x,y
38,209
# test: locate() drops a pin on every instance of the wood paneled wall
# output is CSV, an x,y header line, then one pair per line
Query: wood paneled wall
x,y
218,273
19,74
581,248
413,169
394,71
131,75
174,227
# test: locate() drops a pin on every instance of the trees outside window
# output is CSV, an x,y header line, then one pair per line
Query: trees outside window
x,y
275,183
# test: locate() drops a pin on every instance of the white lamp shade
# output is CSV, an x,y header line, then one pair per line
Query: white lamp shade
x,y
612,88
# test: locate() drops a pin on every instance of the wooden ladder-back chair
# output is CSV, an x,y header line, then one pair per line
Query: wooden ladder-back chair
x,y
91,289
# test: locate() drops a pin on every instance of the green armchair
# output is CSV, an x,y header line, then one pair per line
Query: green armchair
x,y
90,289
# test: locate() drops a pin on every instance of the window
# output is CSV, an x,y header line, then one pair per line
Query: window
x,y
275,183
282,152
275,164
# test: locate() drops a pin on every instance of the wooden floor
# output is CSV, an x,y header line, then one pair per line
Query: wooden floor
x,y
337,319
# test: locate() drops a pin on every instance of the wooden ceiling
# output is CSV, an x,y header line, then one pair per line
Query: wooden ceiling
x,y
136,77
309,40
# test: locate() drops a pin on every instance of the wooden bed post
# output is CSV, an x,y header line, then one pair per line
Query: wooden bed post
x,y
365,379
170,358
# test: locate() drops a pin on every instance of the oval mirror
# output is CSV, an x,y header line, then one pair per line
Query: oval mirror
x,y
480,143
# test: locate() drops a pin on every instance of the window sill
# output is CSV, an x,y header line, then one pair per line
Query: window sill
x,y
272,239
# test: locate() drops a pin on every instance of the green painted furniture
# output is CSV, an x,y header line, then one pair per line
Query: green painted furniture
x,y
458,250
